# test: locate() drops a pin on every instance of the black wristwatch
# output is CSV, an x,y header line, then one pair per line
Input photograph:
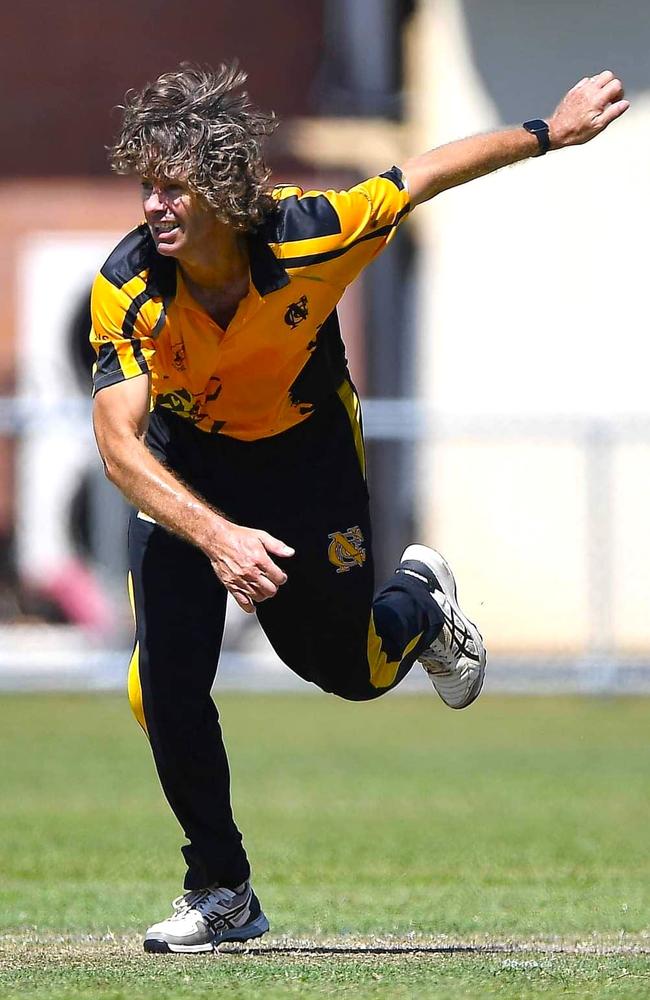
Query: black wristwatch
x,y
539,128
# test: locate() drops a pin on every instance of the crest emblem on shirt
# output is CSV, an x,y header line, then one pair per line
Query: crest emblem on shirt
x,y
297,312
178,359
346,549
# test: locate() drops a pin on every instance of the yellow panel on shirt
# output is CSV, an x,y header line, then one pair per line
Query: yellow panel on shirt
x,y
282,353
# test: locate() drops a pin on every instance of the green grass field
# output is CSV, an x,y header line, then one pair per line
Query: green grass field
x,y
400,850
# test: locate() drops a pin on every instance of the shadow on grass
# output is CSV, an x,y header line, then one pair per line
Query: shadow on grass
x,y
501,948
338,950
368,950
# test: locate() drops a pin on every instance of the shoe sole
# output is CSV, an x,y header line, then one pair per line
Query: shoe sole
x,y
442,571
248,932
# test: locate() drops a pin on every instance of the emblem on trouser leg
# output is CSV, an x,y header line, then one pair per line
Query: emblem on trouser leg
x,y
346,549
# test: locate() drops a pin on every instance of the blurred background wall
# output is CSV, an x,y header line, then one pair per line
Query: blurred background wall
x,y
498,344
538,458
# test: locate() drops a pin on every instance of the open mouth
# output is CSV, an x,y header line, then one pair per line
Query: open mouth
x,y
165,230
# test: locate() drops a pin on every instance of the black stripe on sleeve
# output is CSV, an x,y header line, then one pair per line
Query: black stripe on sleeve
x,y
107,360
307,218
139,356
396,176
320,258
107,370
128,323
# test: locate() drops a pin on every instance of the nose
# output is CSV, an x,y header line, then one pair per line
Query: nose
x,y
154,201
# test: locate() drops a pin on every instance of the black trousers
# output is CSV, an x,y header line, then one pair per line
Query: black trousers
x,y
306,487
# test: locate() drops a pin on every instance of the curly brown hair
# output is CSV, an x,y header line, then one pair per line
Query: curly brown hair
x,y
197,124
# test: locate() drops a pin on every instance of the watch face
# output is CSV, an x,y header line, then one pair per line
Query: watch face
x,y
536,125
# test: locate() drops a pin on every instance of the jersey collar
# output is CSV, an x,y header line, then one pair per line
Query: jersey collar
x,y
267,272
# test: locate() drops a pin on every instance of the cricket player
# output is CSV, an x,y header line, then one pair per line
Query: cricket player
x,y
225,413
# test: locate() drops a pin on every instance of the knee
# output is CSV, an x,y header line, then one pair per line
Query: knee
x,y
351,684
367,693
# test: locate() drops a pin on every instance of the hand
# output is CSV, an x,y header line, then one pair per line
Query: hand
x,y
241,560
587,110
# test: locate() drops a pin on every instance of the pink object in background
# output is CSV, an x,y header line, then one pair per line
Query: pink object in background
x,y
76,591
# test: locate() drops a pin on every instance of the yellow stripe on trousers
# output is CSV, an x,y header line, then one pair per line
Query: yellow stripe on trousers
x,y
350,401
133,683
382,670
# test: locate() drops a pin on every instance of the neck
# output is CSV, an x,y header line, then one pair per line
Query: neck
x,y
220,262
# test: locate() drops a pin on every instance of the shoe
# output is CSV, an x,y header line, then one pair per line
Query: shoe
x,y
203,918
456,659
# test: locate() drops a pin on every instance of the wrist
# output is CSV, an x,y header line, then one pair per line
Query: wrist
x,y
215,533
203,527
559,136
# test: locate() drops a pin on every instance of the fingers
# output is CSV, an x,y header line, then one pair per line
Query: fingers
x,y
588,108
612,91
271,575
610,99
275,546
579,84
600,78
613,112
266,586
246,569
269,569
607,85
244,602
255,585
248,593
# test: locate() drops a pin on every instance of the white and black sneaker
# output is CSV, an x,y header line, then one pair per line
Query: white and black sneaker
x,y
456,659
203,918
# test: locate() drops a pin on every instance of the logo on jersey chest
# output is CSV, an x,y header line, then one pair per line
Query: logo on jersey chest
x,y
346,549
178,358
297,312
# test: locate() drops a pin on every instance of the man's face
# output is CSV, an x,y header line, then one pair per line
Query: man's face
x,y
179,220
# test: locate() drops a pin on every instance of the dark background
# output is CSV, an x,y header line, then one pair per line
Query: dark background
x,y
67,65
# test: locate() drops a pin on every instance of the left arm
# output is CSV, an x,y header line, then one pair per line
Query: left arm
x,y
582,114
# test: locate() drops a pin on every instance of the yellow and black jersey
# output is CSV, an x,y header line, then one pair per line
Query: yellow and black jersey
x,y
282,353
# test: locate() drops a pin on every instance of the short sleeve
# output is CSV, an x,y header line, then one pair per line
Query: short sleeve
x,y
342,231
121,333
371,211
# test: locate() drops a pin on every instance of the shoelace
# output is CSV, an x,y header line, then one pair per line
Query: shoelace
x,y
188,901
461,642
181,906
192,901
